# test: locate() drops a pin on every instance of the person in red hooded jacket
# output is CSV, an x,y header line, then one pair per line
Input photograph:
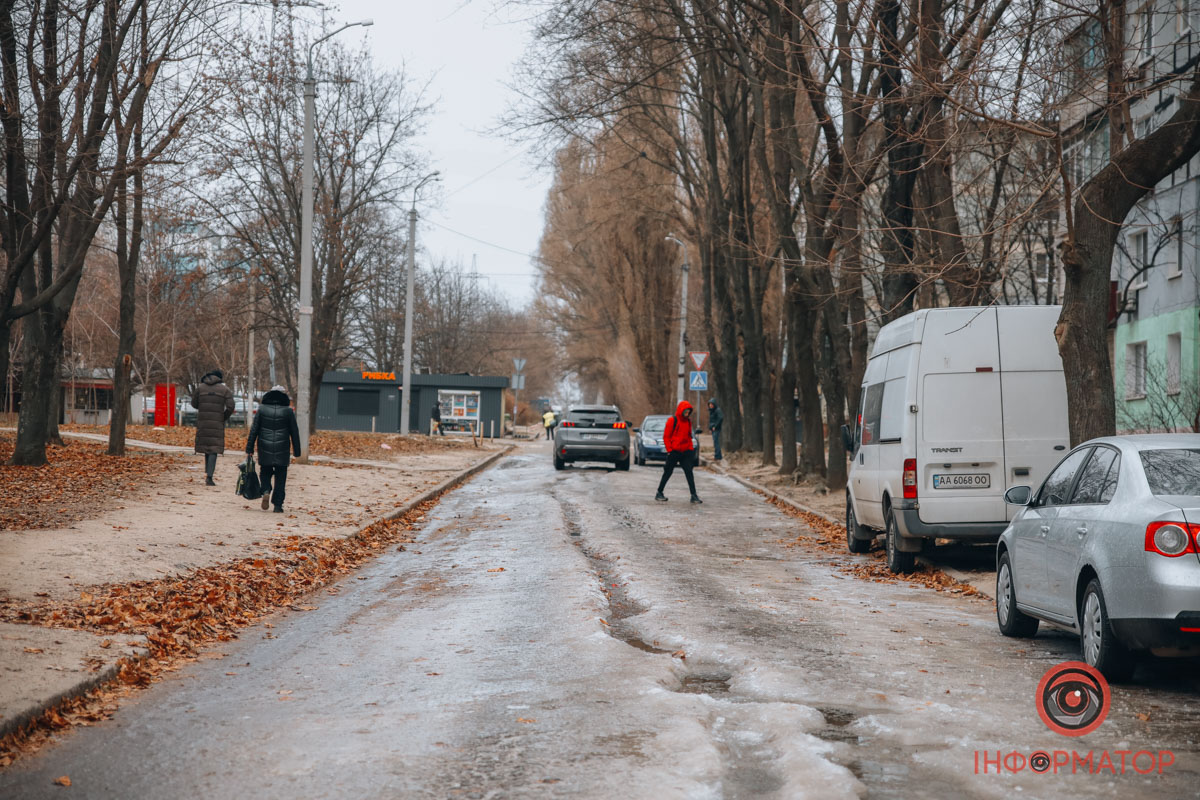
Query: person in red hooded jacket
x,y
677,439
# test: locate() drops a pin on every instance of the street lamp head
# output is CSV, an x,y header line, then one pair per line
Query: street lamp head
x,y
366,23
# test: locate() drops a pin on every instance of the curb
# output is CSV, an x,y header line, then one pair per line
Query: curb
x,y
774,495
84,686
14,723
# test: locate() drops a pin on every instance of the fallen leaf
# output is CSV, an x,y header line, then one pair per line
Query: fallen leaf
x,y
496,569
679,654
33,650
62,780
525,720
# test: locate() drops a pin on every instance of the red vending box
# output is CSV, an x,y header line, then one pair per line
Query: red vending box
x,y
164,405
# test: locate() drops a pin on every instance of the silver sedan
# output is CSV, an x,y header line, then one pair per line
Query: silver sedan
x,y
1109,547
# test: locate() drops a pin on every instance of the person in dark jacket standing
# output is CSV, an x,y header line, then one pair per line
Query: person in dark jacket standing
x,y
214,404
278,438
435,419
715,417
677,438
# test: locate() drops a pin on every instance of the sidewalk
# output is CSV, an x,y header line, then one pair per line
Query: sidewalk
x,y
177,526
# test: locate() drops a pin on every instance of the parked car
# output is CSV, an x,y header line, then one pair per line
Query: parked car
x,y
1109,547
187,413
957,404
592,433
648,440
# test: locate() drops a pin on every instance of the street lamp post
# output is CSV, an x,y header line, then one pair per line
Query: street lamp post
x,y
405,387
304,356
681,387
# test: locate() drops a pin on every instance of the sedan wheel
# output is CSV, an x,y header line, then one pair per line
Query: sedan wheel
x,y
1100,646
1011,620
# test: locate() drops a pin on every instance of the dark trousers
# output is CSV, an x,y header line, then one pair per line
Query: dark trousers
x,y
716,434
210,464
265,474
548,430
684,459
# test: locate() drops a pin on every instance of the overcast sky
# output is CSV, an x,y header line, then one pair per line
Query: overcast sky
x,y
490,189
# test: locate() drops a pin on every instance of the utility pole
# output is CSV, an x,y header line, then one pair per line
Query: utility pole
x,y
406,386
250,356
304,356
681,386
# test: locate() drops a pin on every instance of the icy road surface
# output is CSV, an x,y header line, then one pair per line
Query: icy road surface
x,y
560,634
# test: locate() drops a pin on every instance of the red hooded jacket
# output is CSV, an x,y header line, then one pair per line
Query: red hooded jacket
x,y
677,435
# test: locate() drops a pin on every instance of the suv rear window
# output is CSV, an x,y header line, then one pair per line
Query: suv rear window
x,y
593,418
1172,472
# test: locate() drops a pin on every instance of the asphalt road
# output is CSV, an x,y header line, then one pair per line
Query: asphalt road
x,y
560,634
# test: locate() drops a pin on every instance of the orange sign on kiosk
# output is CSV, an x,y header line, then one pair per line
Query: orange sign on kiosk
x,y
379,376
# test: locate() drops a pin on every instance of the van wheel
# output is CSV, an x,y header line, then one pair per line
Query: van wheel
x,y
856,539
559,463
1011,620
1099,644
898,561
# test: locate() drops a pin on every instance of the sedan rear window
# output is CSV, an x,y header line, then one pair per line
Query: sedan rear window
x,y
1172,472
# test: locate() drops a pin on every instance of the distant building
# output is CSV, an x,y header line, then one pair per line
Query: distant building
x,y
362,400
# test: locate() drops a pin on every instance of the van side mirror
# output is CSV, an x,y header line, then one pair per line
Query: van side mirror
x,y
1018,496
847,439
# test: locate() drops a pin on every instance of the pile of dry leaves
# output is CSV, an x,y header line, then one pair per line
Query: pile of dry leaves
x,y
335,444
831,537
179,614
77,481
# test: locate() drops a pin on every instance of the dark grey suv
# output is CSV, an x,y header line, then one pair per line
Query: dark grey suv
x,y
592,433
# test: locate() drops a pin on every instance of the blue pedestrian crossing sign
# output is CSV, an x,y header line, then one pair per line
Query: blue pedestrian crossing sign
x,y
698,381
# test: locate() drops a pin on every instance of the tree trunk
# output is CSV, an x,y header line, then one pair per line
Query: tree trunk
x,y
38,421
785,406
812,448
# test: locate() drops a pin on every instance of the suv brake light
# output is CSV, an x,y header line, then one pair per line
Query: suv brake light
x,y
910,479
567,424
1172,539
618,424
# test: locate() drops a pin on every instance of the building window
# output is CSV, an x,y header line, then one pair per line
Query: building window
x,y
1041,262
1177,247
1139,257
1141,128
1183,17
1145,22
1174,362
1135,371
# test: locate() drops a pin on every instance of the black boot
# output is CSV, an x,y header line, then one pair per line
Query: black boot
x,y
208,481
696,499
660,497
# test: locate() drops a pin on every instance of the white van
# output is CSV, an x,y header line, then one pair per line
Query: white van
x,y
958,404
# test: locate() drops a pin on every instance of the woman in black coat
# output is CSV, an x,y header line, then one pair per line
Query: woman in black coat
x,y
278,436
214,404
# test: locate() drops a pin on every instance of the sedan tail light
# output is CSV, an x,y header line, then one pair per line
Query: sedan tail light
x,y
1172,539
910,479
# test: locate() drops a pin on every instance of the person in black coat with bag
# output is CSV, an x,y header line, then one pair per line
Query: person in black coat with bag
x,y
278,437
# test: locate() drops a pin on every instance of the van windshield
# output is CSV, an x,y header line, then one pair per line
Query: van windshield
x,y
1172,472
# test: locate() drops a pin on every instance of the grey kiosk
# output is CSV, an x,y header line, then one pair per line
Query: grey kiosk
x,y
360,400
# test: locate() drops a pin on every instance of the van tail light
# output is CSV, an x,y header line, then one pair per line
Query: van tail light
x,y
618,424
910,479
1172,539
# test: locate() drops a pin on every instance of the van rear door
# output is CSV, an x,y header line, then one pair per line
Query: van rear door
x,y
1034,395
960,455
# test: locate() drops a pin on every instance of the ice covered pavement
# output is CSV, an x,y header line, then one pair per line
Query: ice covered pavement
x,y
560,634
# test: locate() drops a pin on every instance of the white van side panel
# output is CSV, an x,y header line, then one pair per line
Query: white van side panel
x,y
1034,393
